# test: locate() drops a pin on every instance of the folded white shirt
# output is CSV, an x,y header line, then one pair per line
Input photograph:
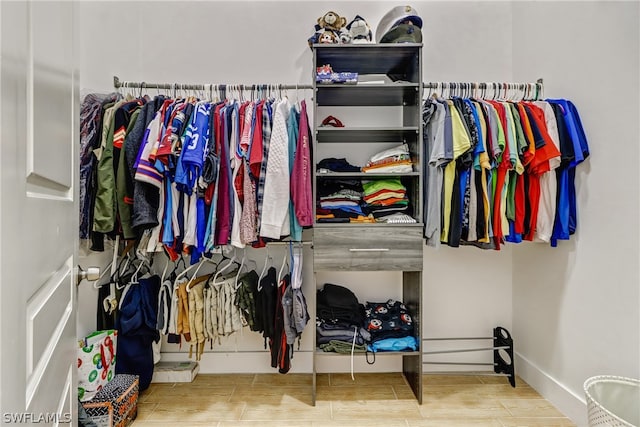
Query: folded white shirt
x,y
395,151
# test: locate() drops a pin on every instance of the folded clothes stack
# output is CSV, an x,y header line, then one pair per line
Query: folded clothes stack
x,y
390,325
336,165
327,331
393,160
345,200
339,200
384,197
397,218
339,319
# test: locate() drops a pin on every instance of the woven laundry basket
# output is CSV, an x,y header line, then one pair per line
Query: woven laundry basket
x,y
613,401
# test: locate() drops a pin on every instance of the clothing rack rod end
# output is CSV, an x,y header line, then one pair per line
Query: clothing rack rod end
x,y
116,82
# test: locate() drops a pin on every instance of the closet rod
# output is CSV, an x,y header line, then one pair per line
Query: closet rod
x,y
286,242
483,85
117,83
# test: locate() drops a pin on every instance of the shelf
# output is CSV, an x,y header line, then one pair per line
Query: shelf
x,y
365,174
367,224
400,94
367,134
398,61
390,76
378,353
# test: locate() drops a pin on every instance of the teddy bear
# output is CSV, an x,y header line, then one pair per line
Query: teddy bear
x,y
331,28
332,21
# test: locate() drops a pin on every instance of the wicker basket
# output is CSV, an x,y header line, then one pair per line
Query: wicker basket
x,y
613,401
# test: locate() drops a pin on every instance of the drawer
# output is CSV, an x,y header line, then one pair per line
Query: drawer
x,y
380,247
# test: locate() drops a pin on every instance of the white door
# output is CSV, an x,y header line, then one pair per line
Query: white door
x,y
38,212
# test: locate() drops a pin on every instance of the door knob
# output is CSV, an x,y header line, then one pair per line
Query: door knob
x,y
91,274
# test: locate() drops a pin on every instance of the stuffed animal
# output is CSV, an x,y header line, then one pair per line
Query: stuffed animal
x,y
332,21
359,31
330,29
328,37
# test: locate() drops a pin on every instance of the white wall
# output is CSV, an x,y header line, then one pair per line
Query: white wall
x,y
576,307
573,310
467,291
228,42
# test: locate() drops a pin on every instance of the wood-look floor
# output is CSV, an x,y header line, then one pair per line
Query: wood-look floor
x,y
371,400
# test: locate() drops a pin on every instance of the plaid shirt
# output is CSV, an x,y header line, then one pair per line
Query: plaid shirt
x,y
266,138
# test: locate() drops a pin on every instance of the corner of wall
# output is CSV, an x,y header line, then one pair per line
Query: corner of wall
x,y
565,400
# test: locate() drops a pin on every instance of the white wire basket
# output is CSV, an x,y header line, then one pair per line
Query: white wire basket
x,y
613,401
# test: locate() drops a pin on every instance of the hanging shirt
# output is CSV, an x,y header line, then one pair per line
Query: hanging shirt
x,y
461,143
195,140
293,132
255,151
266,140
275,206
223,220
236,177
481,167
248,221
548,180
301,192
438,141
105,199
567,224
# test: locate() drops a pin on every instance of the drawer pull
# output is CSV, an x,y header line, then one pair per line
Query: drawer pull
x,y
369,250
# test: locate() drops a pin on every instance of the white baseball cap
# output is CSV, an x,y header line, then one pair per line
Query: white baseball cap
x,y
394,16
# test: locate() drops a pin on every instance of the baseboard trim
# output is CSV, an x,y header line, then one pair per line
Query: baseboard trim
x,y
567,402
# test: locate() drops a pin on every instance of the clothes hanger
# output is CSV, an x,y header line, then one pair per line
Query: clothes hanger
x,y
297,261
231,262
244,258
541,93
195,279
186,270
198,280
285,261
134,278
110,303
264,267
176,265
122,269
514,92
164,272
